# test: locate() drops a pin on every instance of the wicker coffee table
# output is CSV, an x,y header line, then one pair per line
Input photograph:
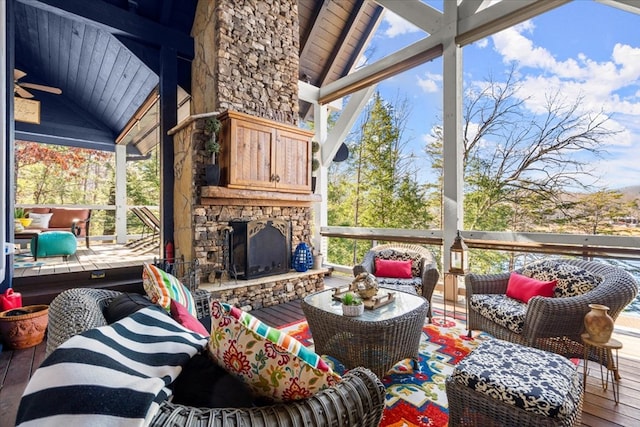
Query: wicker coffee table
x,y
377,340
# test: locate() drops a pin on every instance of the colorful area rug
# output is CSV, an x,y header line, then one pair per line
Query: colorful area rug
x,y
418,398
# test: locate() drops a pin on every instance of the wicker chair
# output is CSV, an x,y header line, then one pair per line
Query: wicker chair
x,y
425,269
358,400
555,324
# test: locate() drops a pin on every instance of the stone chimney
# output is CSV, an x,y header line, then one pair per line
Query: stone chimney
x,y
246,58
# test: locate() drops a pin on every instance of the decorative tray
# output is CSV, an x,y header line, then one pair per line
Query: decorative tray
x,y
383,297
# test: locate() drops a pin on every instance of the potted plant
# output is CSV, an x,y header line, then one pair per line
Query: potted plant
x,y
352,305
21,215
212,147
315,164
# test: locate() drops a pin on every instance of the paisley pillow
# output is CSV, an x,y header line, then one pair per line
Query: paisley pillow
x,y
273,364
572,280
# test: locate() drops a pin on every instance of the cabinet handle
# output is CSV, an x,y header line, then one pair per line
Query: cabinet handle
x,y
272,177
277,178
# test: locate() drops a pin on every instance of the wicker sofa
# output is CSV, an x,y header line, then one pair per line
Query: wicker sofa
x,y
424,269
358,400
549,323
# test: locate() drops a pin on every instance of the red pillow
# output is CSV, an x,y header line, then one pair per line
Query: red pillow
x,y
524,288
180,314
393,268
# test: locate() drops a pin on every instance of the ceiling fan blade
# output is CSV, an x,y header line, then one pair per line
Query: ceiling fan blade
x,y
43,88
18,74
22,92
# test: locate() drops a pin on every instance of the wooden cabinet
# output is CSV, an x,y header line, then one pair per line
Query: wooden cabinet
x,y
261,154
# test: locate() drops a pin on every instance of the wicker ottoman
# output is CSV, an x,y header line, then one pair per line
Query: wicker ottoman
x,y
55,243
506,384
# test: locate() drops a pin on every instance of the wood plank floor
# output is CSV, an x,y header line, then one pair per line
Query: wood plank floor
x,y
16,367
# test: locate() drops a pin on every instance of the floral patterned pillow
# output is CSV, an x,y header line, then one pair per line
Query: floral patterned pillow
x,y
162,287
572,280
273,364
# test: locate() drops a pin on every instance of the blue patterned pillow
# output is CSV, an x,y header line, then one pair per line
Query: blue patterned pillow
x,y
572,280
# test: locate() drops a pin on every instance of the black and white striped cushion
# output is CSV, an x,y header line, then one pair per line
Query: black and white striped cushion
x,y
114,375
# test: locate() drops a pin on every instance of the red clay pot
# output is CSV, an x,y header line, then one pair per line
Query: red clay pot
x,y
24,327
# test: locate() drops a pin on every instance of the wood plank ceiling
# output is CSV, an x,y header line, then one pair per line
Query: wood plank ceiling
x,y
105,76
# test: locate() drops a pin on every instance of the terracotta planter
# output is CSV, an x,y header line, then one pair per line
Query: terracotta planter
x,y
24,327
598,323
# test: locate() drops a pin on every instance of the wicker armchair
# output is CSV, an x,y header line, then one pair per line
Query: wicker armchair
x,y
555,324
425,269
358,400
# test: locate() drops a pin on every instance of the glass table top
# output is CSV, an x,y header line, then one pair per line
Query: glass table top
x,y
402,303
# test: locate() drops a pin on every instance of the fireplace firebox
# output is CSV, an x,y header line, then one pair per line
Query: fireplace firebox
x,y
260,248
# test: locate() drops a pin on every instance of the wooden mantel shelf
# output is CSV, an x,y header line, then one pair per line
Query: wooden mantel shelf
x,y
223,196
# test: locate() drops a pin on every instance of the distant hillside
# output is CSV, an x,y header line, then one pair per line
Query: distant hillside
x,y
629,193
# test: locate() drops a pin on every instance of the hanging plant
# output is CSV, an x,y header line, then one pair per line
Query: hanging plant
x,y
212,128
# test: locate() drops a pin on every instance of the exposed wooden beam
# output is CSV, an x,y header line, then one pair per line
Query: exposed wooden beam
x,y
347,34
416,12
500,16
304,38
118,22
70,136
405,59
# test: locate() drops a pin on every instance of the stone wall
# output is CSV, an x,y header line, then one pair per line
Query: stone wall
x,y
270,291
246,58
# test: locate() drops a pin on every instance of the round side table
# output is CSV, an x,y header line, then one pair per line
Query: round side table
x,y
604,350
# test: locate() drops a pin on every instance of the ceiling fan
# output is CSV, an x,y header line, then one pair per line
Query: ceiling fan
x,y
19,87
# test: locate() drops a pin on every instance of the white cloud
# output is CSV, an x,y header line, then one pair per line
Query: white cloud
x,y
607,86
397,25
482,43
431,83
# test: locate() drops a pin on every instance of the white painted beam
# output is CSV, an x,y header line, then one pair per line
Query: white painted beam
x,y
469,7
632,6
364,76
500,16
419,14
308,92
345,122
121,194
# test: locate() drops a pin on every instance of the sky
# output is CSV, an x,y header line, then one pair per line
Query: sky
x,y
582,49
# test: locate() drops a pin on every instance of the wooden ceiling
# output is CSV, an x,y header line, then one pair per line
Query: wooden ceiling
x,y
104,55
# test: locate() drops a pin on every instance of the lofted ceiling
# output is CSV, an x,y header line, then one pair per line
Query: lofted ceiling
x,y
104,56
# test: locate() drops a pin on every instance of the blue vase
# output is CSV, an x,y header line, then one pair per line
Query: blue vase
x,y
302,258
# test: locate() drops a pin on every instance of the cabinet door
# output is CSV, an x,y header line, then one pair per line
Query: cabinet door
x,y
252,156
293,162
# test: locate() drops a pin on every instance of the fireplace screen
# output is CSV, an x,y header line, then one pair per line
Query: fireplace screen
x,y
260,248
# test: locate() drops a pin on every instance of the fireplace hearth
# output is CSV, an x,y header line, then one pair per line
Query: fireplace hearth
x,y
260,248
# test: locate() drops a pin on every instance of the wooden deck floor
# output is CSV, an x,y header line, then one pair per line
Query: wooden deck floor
x,y
96,257
600,409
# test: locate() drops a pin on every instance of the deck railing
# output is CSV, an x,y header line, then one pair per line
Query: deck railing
x,y
103,218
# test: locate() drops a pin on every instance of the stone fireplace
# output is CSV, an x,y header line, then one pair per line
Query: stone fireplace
x,y
245,60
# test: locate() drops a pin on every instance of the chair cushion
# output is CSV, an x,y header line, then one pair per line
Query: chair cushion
x,y
393,268
524,288
162,287
572,280
204,384
402,255
273,364
534,380
64,217
124,305
507,312
412,286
